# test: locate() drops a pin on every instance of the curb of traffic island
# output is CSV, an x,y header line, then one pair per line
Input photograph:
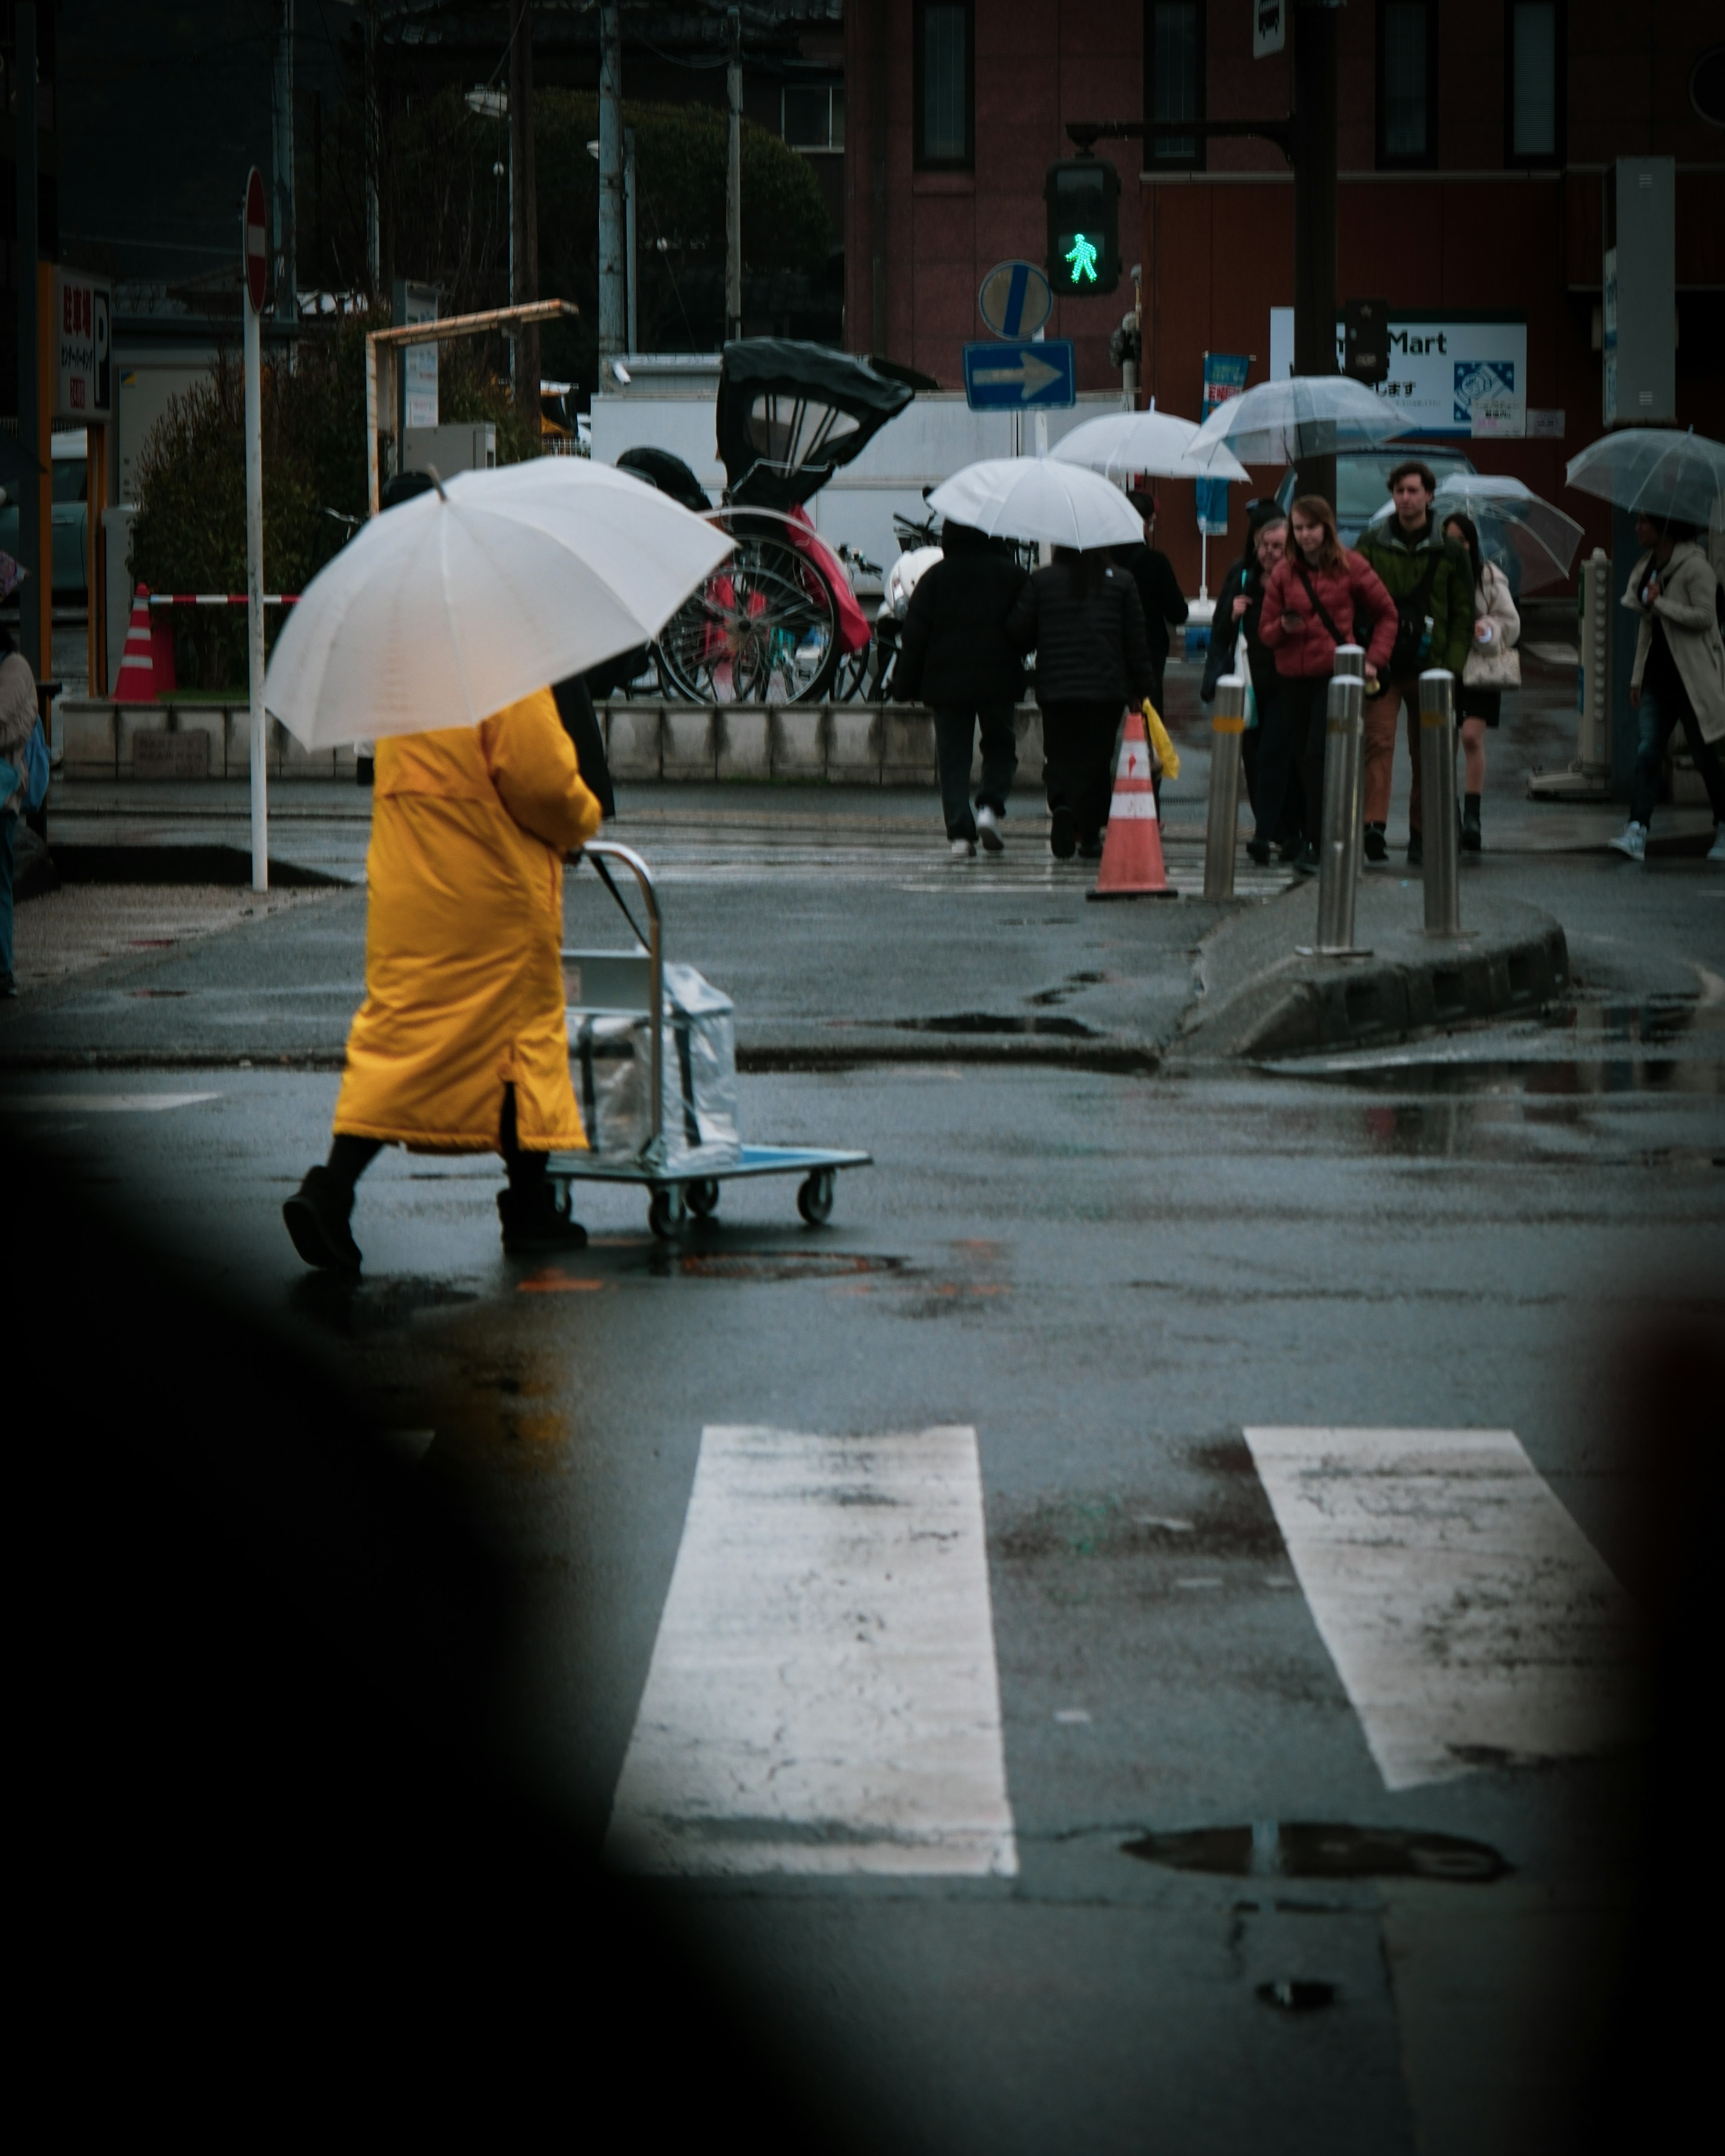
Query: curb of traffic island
x,y
1260,997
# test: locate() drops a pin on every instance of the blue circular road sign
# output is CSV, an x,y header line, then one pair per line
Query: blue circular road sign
x,y
1015,299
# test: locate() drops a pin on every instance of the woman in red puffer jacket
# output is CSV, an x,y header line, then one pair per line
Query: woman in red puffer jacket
x,y
1320,595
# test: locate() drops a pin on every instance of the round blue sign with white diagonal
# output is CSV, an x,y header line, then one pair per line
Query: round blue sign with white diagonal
x,y
1016,299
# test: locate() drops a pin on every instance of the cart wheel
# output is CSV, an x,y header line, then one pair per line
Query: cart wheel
x,y
814,1200
665,1213
702,1197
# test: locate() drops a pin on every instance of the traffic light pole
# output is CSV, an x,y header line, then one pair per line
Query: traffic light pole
x,y
1314,156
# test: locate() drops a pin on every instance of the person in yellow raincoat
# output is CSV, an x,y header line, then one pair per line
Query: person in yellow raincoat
x,y
460,1045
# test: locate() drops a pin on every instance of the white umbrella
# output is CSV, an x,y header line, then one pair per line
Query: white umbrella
x,y
444,610
1035,498
1307,415
1157,443
1655,471
1510,519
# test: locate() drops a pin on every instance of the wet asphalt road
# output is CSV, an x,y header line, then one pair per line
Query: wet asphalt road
x,y
1111,1276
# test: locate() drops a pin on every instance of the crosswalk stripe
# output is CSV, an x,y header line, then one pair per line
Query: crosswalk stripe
x,y
823,1694
1469,1617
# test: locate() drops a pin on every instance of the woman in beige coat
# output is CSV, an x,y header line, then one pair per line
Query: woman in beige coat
x,y
1679,677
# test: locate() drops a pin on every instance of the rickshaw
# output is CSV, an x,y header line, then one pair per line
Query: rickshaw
x,y
772,623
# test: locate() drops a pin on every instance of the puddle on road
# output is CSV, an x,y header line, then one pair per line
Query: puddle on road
x,y
374,1303
770,1265
985,1022
1281,1849
1297,1994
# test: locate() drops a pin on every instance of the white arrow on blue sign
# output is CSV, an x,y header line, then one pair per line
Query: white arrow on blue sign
x,y
1015,299
1017,377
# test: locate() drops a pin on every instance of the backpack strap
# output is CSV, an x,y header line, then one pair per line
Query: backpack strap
x,y
1317,605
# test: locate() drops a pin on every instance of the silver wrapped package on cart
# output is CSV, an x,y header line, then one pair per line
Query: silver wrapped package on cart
x,y
613,1056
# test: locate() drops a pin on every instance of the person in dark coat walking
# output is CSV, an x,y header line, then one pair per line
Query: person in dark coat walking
x,y
1082,618
955,656
1160,593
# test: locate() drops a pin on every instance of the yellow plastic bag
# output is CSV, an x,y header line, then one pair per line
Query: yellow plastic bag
x,y
1168,756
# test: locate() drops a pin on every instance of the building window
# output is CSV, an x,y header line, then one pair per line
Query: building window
x,y
812,115
943,87
1174,81
1533,72
1407,82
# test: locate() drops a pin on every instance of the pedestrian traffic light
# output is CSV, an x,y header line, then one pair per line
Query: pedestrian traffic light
x,y
1083,199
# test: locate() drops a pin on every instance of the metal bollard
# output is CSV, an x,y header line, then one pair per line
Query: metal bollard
x,y
1350,662
1437,787
1221,831
1338,853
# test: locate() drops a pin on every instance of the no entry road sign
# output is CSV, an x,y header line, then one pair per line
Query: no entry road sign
x,y
1018,378
257,246
1015,299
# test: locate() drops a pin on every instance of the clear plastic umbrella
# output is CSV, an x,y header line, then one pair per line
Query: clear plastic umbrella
x,y
1035,498
1121,443
1307,415
1655,471
1510,519
444,610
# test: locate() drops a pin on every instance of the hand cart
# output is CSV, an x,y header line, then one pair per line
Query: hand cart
x,y
630,985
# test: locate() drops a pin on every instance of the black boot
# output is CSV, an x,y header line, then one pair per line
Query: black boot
x,y
532,1226
1377,845
317,1215
1416,850
1472,840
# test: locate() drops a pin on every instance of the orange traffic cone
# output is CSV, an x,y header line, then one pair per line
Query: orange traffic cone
x,y
1132,852
137,683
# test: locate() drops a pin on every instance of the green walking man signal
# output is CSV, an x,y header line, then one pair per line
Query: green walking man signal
x,y
1082,255
1083,195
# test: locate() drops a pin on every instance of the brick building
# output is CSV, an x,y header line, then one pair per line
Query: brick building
x,y
1474,145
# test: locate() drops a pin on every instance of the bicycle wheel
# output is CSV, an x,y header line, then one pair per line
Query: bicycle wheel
x,y
763,629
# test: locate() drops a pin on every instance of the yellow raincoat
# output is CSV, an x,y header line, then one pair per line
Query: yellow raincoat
x,y
463,982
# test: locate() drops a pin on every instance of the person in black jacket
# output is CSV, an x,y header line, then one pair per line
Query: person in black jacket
x,y
1160,593
1081,616
954,654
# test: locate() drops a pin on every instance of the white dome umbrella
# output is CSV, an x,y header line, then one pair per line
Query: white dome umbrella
x,y
445,609
1655,471
1156,443
1306,415
1035,498
1511,519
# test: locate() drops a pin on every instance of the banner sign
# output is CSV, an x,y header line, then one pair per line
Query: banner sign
x,y
1224,377
1461,375
84,379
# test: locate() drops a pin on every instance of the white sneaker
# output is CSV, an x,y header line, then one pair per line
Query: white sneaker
x,y
1631,842
987,829
1716,852
962,850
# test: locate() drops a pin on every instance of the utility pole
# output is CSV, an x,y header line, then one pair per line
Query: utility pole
x,y
524,211
877,182
287,295
613,322
29,407
374,150
733,180
1315,114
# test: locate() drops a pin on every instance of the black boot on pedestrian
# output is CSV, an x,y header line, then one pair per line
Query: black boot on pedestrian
x,y
1290,849
1416,851
1471,840
1377,845
317,1215
1090,848
1259,849
532,1226
1062,840
1306,863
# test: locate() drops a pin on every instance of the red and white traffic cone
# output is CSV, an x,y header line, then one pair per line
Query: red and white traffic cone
x,y
137,683
1132,852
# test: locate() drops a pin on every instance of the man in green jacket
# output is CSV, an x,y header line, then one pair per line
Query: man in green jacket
x,y
1430,580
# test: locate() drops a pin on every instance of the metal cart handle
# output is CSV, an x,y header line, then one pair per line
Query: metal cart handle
x,y
599,850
